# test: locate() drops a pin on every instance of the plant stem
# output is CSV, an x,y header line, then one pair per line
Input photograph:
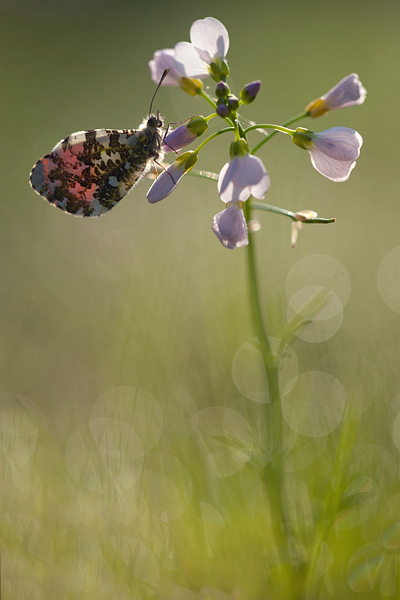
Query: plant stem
x,y
289,122
274,475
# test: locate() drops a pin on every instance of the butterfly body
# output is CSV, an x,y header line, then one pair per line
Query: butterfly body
x,y
87,173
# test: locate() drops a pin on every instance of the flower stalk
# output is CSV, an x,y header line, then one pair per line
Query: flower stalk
x,y
274,471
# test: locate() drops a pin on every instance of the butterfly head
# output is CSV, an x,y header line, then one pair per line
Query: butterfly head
x,y
155,121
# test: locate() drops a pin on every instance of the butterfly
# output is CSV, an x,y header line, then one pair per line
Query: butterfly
x,y
89,172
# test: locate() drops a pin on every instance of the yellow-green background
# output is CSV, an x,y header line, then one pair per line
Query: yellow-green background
x,y
146,298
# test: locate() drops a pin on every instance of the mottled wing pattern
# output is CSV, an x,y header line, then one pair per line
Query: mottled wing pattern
x,y
88,172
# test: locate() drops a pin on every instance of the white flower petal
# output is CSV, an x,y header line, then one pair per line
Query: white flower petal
x,y
241,178
230,227
261,188
189,62
340,143
348,92
211,37
163,59
335,170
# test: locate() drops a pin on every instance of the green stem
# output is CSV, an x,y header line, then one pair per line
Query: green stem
x,y
207,98
274,465
289,122
280,128
289,213
212,136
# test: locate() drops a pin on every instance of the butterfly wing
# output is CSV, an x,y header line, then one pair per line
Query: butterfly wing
x,y
88,172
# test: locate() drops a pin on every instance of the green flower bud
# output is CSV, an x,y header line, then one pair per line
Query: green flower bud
x,y
302,138
224,68
239,148
197,125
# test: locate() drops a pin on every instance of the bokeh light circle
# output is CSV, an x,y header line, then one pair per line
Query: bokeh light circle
x,y
248,370
314,405
325,322
319,270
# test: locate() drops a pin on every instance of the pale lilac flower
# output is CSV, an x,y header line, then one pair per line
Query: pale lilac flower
x,y
242,177
185,134
178,139
163,59
165,183
348,92
209,43
333,152
230,226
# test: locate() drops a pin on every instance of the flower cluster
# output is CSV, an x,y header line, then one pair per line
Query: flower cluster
x,y
333,152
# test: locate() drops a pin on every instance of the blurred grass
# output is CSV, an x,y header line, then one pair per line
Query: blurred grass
x,y
170,503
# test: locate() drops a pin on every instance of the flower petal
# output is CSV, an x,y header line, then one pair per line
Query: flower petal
x,y
165,183
163,59
335,170
261,188
189,62
340,143
348,92
178,139
242,177
210,37
230,227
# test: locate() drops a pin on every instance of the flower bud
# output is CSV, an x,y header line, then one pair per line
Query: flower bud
x,y
239,148
233,103
224,68
303,138
185,134
169,179
222,90
222,109
215,71
197,125
348,92
250,91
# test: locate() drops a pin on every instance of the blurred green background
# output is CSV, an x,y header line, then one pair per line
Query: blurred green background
x,y
132,399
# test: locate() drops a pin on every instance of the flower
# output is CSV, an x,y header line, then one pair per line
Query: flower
x,y
348,92
165,183
163,59
185,134
230,226
333,152
206,51
243,176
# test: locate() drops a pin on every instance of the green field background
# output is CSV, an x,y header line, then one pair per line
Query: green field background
x,y
131,398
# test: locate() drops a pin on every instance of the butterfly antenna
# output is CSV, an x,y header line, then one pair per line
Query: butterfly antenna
x,y
163,76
